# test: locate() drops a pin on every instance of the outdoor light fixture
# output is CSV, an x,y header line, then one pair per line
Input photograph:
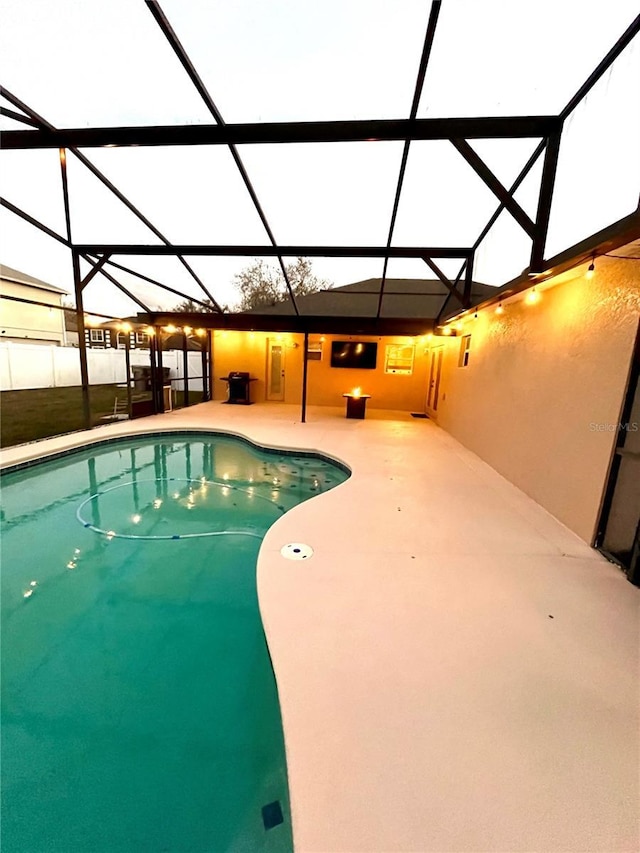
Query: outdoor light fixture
x,y
187,330
533,296
447,330
150,331
475,316
200,333
459,326
592,268
500,309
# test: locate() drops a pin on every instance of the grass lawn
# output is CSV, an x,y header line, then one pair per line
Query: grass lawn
x,y
43,412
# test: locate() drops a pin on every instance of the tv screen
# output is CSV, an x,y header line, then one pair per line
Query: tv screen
x,y
354,354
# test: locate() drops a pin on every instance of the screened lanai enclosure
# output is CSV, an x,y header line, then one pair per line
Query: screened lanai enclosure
x,y
150,151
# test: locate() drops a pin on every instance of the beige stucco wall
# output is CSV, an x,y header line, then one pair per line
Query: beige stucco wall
x,y
32,323
544,387
248,351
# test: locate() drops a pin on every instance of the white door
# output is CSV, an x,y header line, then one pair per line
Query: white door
x,y
433,391
275,370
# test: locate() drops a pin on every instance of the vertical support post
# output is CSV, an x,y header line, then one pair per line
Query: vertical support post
x,y
127,365
185,368
153,348
536,263
157,382
82,343
205,366
210,340
468,280
305,363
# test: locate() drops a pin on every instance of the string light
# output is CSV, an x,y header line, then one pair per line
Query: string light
x,y
500,309
533,296
592,268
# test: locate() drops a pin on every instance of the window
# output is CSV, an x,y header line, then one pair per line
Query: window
x,y
399,358
142,340
96,336
314,348
465,349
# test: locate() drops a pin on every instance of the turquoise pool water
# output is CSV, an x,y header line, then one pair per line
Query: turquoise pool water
x,y
139,706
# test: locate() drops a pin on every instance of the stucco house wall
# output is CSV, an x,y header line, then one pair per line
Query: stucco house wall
x,y
247,351
541,396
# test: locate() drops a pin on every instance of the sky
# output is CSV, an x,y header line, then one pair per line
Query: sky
x,y
82,63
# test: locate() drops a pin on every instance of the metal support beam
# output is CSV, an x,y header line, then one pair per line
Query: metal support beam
x,y
630,33
183,58
269,133
47,127
512,189
159,284
536,263
94,271
185,370
157,373
18,117
30,219
65,192
314,324
496,187
422,70
82,343
127,366
468,280
120,286
273,251
205,366
445,304
452,290
305,365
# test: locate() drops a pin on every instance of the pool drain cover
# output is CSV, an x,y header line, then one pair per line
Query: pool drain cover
x,y
272,815
297,551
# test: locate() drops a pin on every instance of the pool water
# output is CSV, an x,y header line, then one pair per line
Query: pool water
x,y
139,707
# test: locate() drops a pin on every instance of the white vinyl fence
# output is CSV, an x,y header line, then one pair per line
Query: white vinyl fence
x,y
24,366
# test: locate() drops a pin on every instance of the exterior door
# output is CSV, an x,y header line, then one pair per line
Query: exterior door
x,y
433,391
275,369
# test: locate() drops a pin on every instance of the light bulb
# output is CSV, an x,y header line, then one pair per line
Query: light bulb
x,y
591,271
533,296
500,309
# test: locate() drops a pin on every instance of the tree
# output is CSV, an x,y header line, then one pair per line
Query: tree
x,y
261,285
189,306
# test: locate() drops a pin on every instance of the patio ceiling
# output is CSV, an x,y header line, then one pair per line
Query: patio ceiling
x,y
166,191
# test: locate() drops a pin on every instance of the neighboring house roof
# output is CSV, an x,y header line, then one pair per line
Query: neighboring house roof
x,y
403,297
9,274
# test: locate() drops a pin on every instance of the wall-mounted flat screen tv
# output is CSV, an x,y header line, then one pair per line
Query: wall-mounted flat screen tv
x,y
360,354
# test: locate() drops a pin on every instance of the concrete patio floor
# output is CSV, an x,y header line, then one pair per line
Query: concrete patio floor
x,y
457,671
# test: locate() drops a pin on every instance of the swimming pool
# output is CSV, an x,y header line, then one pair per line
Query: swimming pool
x,y
140,711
